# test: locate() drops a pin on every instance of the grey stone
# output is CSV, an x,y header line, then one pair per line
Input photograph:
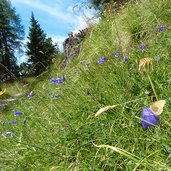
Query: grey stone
x,y
71,46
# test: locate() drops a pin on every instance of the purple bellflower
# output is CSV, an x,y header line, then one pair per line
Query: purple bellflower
x,y
88,64
13,122
56,96
142,47
125,59
30,95
63,77
117,54
53,80
147,115
17,113
59,81
101,60
161,28
25,119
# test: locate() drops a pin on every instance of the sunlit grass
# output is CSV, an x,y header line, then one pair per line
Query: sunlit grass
x,y
64,134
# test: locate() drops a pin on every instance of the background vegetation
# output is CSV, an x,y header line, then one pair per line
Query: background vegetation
x,y
39,49
11,34
58,130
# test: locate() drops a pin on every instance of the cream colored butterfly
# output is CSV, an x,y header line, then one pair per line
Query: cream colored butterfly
x,y
157,107
145,63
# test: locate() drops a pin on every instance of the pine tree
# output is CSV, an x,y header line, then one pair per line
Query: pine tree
x,y
39,48
11,34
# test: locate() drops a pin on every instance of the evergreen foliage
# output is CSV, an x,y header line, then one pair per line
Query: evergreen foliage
x,y
11,34
101,4
39,48
24,69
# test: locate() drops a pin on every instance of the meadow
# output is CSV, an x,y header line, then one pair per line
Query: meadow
x,y
55,128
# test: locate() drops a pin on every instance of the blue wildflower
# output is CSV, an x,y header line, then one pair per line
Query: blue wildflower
x,y
101,60
117,54
125,59
148,116
142,47
63,77
161,28
0,132
56,96
25,119
87,65
59,81
53,80
30,95
13,122
17,113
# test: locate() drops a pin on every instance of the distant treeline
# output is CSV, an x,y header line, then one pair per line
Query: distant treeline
x,y
103,4
39,49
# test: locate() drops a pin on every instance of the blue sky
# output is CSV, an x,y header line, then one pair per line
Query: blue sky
x,y
56,17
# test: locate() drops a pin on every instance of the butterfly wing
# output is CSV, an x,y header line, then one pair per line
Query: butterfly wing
x,y
157,107
2,91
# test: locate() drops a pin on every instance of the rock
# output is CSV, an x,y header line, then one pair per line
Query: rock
x,y
71,45
4,102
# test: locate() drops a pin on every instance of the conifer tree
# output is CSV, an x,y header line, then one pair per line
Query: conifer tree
x,y
11,34
39,48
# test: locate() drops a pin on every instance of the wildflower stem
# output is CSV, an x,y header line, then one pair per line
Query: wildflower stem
x,y
152,86
127,154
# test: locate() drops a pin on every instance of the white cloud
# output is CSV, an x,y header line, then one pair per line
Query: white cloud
x,y
75,18
58,39
53,11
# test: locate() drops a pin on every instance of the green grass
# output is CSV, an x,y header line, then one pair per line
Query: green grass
x,y
64,134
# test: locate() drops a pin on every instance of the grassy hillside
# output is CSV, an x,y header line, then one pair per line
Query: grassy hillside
x,y
58,130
